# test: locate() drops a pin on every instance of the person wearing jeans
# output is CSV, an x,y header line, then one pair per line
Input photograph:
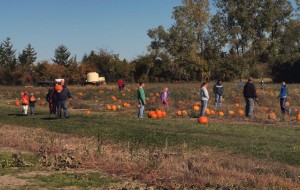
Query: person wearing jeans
x,y
204,98
142,99
218,90
250,95
62,98
283,98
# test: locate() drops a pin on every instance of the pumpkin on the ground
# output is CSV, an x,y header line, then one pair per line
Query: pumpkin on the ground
x,y
221,114
196,108
203,120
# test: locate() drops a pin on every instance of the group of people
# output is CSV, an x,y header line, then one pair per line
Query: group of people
x,y
249,93
57,97
27,101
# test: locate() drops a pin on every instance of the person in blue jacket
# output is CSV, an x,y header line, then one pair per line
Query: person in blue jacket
x,y
283,98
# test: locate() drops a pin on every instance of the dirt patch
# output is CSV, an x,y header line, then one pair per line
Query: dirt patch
x,y
170,168
8,181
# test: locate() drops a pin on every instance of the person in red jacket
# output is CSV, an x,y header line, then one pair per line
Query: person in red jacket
x,y
121,84
25,102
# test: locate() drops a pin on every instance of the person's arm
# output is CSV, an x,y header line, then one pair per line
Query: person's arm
x,y
206,93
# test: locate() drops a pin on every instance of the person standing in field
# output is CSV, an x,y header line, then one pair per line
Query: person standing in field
x,y
204,97
164,97
250,95
218,91
283,98
121,85
262,84
25,102
51,98
141,98
32,101
62,94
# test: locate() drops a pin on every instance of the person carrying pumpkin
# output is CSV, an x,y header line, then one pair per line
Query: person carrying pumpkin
x,y
62,94
142,99
32,101
25,102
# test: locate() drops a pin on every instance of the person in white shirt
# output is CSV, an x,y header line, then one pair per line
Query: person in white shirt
x,y
204,97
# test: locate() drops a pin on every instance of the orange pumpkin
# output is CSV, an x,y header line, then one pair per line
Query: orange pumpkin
x,y
108,107
114,107
221,114
153,116
241,112
298,117
203,120
207,111
17,103
80,94
196,108
236,105
287,104
32,98
184,112
272,115
58,88
164,114
25,101
159,113
179,113
114,98
212,112
87,112
150,113
231,112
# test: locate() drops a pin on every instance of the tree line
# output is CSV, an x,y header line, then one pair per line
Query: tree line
x,y
258,38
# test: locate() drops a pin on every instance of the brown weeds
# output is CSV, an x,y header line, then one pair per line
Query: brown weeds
x,y
172,168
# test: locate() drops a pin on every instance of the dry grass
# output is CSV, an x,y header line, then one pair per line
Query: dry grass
x,y
171,168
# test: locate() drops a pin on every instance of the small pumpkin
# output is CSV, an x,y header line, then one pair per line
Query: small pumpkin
x,y
164,114
236,105
298,117
184,112
203,120
287,104
108,107
17,103
88,112
179,113
241,112
221,114
153,116
58,88
212,112
231,112
114,107
150,113
196,108
272,115
25,101
159,113
207,111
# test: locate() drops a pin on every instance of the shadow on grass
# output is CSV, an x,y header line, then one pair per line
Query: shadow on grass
x,y
17,114
48,118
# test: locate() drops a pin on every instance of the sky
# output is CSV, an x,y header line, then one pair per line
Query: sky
x,y
119,26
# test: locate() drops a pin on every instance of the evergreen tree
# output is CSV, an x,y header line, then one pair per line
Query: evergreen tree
x,y
8,57
28,56
61,56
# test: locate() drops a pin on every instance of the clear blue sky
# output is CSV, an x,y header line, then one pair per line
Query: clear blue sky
x,y
83,25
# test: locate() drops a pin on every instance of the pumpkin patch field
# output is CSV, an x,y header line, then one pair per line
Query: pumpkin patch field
x,y
105,145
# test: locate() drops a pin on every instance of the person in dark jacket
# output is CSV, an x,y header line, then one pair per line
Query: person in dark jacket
x,y
62,98
283,98
218,91
250,96
51,98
